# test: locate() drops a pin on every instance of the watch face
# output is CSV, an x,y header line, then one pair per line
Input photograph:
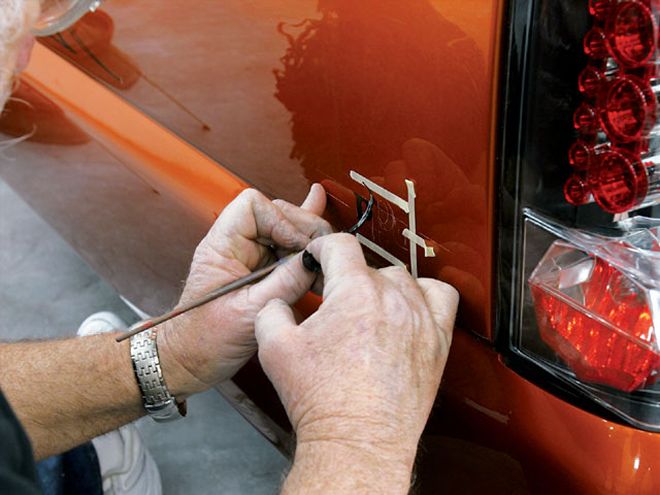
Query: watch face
x,y
58,15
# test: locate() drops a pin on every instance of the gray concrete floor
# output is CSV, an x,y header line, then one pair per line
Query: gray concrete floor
x,y
46,290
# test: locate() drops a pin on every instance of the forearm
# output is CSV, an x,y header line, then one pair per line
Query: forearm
x,y
329,467
68,391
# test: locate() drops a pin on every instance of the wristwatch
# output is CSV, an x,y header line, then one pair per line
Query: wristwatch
x,y
156,398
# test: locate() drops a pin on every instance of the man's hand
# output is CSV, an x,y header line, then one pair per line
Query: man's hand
x,y
209,344
358,377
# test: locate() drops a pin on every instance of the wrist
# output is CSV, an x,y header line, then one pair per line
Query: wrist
x,y
181,382
387,437
331,466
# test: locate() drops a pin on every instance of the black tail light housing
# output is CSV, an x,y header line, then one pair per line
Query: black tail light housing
x,y
578,288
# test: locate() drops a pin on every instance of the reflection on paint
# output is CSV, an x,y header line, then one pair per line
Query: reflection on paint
x,y
394,91
88,44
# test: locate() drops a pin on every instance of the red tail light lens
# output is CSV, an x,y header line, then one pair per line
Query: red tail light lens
x,y
595,318
582,155
590,80
577,191
618,181
617,85
585,120
632,33
600,8
579,155
579,280
595,44
627,108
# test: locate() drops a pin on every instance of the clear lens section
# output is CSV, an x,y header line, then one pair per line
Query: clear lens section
x,y
57,15
591,310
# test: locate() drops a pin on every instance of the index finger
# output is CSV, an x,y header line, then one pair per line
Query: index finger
x,y
254,217
340,255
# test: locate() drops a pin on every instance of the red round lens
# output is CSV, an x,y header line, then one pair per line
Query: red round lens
x,y
576,190
580,154
595,44
618,181
626,109
600,8
589,80
631,34
585,119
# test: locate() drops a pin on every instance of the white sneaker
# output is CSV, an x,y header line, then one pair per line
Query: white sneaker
x,y
101,322
127,467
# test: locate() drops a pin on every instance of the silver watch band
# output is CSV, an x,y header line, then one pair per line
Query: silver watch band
x,y
156,398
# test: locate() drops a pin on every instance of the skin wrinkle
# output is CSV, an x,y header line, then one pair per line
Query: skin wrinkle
x,y
316,230
242,306
374,390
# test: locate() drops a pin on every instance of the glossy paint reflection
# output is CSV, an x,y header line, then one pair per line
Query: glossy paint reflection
x,y
395,91
136,236
88,44
135,199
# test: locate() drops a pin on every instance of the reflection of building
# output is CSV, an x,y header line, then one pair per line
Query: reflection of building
x,y
88,44
395,91
370,75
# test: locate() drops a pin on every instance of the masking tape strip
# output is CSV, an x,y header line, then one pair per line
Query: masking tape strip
x,y
381,191
380,251
429,252
412,225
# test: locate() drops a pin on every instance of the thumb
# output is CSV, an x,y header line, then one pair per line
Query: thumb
x,y
272,326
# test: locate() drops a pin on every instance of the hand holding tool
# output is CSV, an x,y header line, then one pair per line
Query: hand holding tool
x,y
308,262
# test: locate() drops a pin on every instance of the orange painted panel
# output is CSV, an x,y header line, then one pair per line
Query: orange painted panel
x,y
285,93
278,94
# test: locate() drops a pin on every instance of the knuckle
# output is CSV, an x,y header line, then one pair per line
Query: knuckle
x,y
345,239
363,283
448,289
398,309
250,195
435,285
395,272
322,228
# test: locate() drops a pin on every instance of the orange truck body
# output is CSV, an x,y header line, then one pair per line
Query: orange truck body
x,y
150,118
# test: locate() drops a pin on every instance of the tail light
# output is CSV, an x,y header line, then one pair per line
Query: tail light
x,y
579,300
619,108
597,319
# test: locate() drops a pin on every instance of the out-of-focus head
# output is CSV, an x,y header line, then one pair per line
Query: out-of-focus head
x,y
16,20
